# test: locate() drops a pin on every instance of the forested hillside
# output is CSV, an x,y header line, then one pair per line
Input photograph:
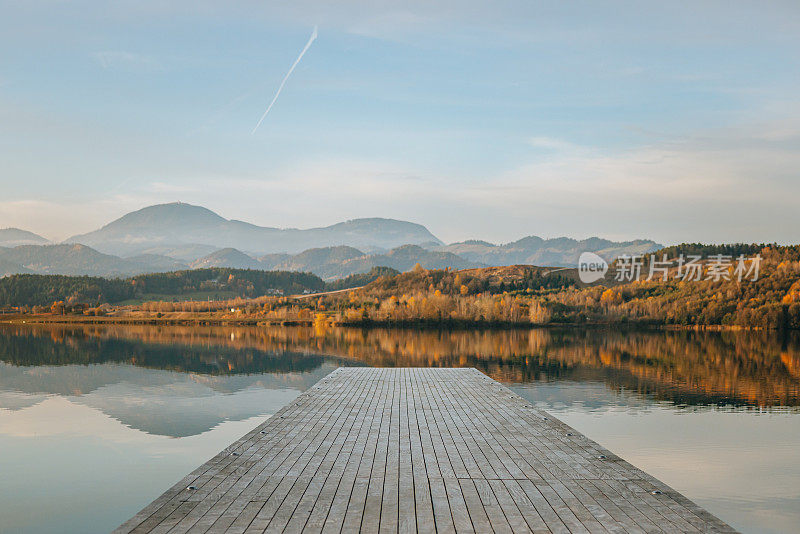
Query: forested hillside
x,y
523,294
197,284
43,290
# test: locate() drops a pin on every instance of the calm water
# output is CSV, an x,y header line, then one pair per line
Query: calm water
x,y
96,422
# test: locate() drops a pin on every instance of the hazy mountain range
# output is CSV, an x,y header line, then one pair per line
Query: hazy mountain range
x,y
177,236
14,237
170,229
533,250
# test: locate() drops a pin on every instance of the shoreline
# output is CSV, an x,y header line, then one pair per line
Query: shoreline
x,y
420,324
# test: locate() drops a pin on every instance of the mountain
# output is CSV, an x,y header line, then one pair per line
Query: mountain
x,y
227,257
79,260
337,262
533,250
12,237
402,259
168,237
153,263
324,262
173,226
271,261
186,253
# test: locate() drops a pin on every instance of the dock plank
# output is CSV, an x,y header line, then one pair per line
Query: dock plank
x,y
417,450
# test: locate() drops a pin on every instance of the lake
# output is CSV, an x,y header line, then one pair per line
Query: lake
x,y
96,421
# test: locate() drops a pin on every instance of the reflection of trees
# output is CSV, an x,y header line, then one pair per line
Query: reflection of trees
x,y
83,346
683,366
752,368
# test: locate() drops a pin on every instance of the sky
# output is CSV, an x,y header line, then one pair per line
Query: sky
x,y
673,121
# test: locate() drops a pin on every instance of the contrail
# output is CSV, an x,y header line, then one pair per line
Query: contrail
x,y
280,87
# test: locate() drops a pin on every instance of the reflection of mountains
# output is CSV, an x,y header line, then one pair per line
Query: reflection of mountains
x,y
746,368
172,390
155,401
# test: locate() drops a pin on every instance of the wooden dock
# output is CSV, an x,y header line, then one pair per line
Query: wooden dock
x,y
417,450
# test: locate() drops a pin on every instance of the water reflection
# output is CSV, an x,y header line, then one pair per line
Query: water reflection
x,y
687,368
97,421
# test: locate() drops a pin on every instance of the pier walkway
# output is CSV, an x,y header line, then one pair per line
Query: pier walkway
x,y
417,450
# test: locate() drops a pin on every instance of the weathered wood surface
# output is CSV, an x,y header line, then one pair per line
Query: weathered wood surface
x,y
417,450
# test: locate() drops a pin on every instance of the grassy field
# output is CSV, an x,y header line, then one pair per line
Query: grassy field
x,y
196,295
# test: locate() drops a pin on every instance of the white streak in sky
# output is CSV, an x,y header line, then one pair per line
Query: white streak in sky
x,y
280,88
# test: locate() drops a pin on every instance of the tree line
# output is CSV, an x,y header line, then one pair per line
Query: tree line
x,y
28,290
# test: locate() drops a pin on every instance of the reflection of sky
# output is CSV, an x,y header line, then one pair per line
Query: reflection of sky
x,y
590,396
68,467
101,438
742,465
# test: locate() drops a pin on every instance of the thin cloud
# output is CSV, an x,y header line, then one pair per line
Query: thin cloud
x,y
550,143
283,82
116,59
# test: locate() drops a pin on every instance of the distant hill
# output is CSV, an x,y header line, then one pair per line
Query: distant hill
x,y
186,253
324,262
13,237
271,261
533,250
339,262
8,268
332,263
227,257
79,260
173,226
404,258
152,263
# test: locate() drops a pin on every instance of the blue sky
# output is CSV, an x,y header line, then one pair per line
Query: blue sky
x,y
675,121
